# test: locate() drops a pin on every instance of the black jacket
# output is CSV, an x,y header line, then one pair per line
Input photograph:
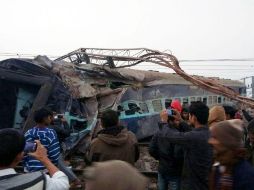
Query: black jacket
x,y
198,155
170,156
247,116
243,175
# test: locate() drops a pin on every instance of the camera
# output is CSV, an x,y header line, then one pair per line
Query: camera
x,y
58,116
170,112
30,147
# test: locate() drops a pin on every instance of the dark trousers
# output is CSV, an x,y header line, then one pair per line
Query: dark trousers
x,y
166,182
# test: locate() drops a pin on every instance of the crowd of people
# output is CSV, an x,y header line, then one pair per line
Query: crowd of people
x,y
197,148
208,150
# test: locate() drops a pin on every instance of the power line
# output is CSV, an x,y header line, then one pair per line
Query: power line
x,y
215,60
151,65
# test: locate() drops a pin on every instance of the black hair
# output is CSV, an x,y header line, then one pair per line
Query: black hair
x,y
185,109
12,142
200,110
230,111
41,114
250,126
109,118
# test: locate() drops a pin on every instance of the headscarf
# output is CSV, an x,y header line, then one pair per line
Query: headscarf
x,y
216,114
175,104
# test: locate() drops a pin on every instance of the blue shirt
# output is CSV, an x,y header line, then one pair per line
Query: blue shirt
x,y
49,140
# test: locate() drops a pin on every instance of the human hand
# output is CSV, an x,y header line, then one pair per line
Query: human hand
x,y
177,115
63,120
164,116
40,153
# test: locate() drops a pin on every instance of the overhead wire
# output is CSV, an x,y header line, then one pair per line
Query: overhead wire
x,y
183,63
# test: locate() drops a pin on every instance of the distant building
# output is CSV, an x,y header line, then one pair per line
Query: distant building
x,y
249,83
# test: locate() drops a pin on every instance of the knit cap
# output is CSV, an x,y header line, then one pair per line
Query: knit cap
x,y
229,133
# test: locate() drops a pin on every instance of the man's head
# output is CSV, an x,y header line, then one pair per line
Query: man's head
x,y
185,113
251,131
114,174
230,112
43,116
198,113
226,139
172,119
12,144
109,118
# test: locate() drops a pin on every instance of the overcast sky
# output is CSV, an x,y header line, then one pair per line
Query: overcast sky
x,y
191,29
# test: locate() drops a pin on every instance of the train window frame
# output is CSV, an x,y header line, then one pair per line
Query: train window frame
x,y
155,108
192,99
144,107
132,103
168,102
132,111
215,99
210,100
184,100
204,100
199,99
219,100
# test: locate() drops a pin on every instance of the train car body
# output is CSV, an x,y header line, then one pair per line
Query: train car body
x,y
80,93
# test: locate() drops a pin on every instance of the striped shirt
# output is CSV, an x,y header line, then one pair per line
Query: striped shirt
x,y
49,140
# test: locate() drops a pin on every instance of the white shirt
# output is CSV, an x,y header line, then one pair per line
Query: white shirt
x,y
59,181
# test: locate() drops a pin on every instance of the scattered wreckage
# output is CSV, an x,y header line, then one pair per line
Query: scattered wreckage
x,y
84,83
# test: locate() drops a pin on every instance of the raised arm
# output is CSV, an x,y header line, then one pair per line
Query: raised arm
x,y
58,180
171,135
174,136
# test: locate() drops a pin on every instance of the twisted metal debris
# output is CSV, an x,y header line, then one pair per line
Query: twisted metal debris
x,y
120,58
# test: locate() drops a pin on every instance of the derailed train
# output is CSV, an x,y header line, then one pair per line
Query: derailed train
x,y
82,92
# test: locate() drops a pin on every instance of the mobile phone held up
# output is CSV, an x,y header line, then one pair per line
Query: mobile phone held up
x,y
170,112
30,147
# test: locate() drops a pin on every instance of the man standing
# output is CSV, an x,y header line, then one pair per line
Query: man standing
x,y
230,112
232,171
47,136
198,153
170,156
114,142
11,153
249,144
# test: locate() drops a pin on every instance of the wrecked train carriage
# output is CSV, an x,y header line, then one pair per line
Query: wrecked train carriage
x,y
81,91
27,85
139,96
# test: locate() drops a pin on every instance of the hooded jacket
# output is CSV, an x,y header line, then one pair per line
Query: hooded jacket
x,y
115,143
216,114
